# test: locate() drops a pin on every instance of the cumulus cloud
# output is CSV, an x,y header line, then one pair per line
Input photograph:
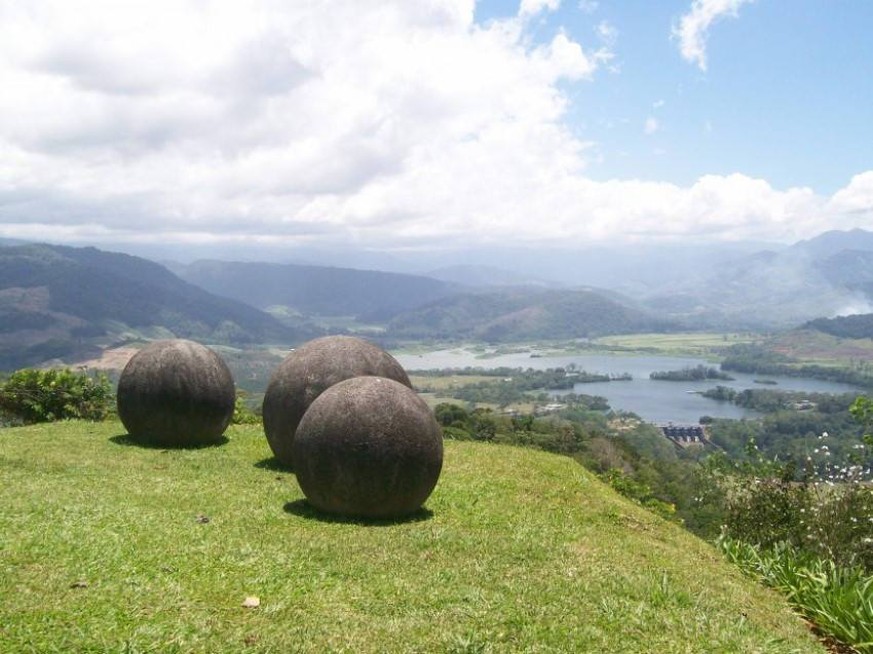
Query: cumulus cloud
x,y
693,27
651,126
377,123
529,8
857,197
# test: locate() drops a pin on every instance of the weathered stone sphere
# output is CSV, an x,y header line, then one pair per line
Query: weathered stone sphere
x,y
176,393
368,447
310,370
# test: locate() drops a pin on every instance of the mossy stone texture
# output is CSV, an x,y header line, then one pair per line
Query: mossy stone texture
x,y
368,447
310,370
176,393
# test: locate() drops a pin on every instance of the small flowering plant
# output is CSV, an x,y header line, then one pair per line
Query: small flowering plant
x,y
824,509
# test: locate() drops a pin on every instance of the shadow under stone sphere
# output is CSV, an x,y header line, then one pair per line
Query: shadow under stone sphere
x,y
368,447
176,393
310,370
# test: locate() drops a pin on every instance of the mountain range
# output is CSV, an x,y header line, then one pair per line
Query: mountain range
x,y
57,301
824,277
525,314
733,286
321,290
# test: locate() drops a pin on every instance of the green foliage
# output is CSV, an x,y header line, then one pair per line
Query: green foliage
x,y
505,386
821,508
757,359
695,373
862,412
243,413
32,396
839,600
767,511
831,518
483,425
791,428
448,414
640,493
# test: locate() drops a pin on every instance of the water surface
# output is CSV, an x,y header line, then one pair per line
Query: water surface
x,y
655,401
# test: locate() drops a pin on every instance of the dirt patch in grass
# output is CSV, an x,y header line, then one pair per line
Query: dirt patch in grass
x,y
111,359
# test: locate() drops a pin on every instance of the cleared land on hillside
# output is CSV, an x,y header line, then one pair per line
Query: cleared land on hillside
x,y
688,343
108,546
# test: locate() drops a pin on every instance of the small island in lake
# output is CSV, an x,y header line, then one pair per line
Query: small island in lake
x,y
695,373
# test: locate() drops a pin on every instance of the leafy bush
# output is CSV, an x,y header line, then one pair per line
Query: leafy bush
x,y
766,512
827,514
31,396
810,538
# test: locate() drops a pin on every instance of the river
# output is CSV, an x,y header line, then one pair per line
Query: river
x,y
655,401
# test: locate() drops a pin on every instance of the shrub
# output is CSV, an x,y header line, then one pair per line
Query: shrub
x,y
31,396
243,413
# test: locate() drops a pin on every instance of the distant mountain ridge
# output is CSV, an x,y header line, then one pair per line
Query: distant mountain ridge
x,y
472,275
319,290
57,300
826,276
833,242
857,326
520,315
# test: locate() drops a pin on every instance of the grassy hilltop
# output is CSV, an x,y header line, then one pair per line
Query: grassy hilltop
x,y
106,546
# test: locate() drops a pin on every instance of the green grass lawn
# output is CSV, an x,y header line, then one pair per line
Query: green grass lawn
x,y
106,546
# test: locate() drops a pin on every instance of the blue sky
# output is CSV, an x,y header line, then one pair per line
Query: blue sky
x,y
434,124
787,94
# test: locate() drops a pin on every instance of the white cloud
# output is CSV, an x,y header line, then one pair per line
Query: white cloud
x,y
529,8
693,27
857,197
564,58
651,126
378,123
607,33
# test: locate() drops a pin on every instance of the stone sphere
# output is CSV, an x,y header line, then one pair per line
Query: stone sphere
x,y
368,447
176,393
310,370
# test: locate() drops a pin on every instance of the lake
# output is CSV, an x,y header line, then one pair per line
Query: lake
x,y
654,401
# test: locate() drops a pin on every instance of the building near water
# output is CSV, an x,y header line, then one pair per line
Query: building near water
x,y
685,435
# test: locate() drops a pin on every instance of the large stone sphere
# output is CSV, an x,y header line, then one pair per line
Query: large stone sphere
x,y
310,370
368,447
176,393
